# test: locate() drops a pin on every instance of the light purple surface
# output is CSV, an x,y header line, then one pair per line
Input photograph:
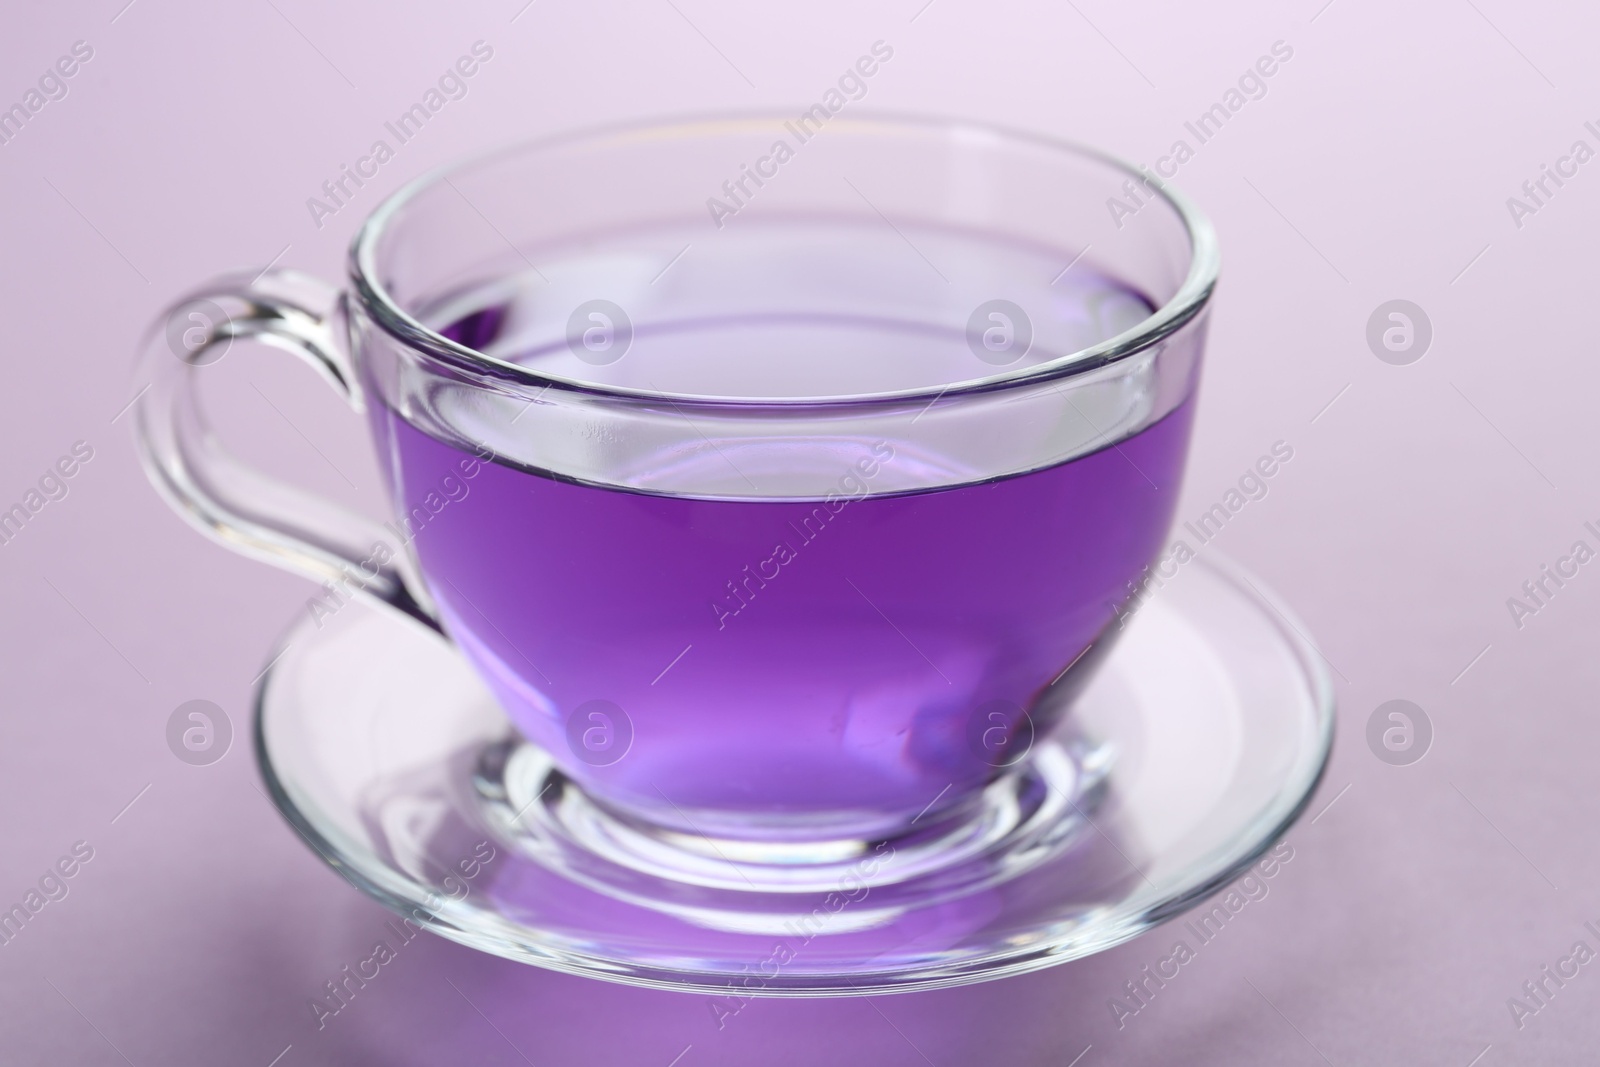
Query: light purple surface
x,y
1376,167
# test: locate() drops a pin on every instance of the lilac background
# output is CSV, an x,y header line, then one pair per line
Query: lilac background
x,y
1377,167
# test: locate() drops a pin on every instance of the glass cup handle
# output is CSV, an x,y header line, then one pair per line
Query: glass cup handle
x,y
246,510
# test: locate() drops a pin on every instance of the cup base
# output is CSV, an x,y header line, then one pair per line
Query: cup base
x,y
1023,819
1187,755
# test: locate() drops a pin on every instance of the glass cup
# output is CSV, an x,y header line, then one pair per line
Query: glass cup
x,y
782,481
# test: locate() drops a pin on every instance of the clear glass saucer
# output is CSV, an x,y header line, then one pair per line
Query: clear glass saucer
x,y
1194,747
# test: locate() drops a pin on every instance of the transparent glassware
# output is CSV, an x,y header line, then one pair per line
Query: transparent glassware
x,y
898,310
766,576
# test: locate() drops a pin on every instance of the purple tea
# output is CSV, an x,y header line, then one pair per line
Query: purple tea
x,y
719,664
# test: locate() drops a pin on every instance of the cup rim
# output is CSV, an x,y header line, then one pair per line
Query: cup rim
x,y
1186,303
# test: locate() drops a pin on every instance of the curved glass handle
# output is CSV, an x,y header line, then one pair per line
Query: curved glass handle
x,y
243,508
